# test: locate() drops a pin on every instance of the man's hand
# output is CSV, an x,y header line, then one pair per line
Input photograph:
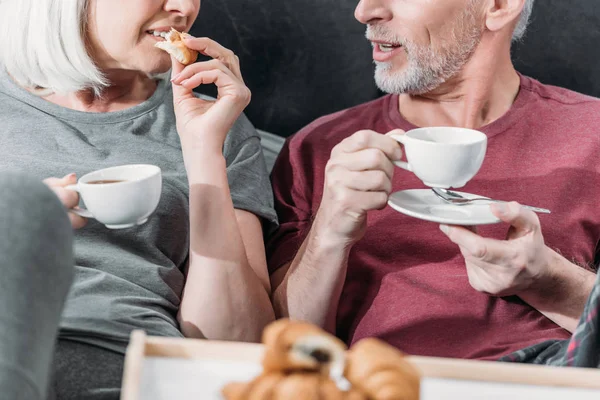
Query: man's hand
x,y
520,263
69,198
358,179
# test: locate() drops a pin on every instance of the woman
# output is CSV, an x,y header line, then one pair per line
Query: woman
x,y
80,90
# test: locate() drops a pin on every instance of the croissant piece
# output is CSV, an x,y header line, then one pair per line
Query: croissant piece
x,y
299,346
381,371
297,386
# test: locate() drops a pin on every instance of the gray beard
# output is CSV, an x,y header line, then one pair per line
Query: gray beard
x,y
428,68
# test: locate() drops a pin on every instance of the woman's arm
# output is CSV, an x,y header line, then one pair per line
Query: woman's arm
x,y
226,295
227,291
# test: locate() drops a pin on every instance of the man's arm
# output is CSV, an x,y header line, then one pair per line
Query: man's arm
x,y
564,293
522,265
309,288
357,179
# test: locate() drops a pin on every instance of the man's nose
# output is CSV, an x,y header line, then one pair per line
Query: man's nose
x,y
372,11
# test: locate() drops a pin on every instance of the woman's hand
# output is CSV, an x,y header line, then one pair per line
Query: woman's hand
x,y
202,123
69,198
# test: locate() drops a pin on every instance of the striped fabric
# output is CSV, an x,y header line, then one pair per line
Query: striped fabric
x,y
582,350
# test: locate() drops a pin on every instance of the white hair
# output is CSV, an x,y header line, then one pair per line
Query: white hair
x,y
43,45
521,27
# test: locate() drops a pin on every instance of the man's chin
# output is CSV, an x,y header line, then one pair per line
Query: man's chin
x,y
389,80
400,82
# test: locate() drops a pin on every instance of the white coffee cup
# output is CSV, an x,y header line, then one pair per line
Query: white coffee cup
x,y
443,157
120,197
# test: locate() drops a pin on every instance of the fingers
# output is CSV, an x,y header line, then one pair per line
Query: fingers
x,y
513,213
219,78
231,90
77,222
367,139
359,173
176,67
349,199
365,160
69,198
191,70
227,85
395,132
358,190
179,92
367,181
210,48
472,245
66,180
233,96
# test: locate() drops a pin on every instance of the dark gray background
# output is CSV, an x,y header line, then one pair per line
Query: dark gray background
x,y
306,58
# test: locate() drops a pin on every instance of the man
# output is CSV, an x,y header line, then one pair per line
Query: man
x,y
345,261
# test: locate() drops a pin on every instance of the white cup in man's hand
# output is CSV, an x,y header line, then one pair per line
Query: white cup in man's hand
x,y
443,157
120,197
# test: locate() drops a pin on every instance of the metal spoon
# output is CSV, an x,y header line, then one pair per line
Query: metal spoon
x,y
454,198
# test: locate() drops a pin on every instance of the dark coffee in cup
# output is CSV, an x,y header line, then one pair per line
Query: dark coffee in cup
x,y
100,182
120,197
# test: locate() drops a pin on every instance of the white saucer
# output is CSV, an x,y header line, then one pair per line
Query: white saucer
x,y
424,204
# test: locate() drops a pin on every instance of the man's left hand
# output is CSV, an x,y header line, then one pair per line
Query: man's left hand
x,y
505,267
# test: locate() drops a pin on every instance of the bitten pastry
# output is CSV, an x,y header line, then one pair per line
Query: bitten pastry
x,y
381,371
299,346
261,388
174,46
297,386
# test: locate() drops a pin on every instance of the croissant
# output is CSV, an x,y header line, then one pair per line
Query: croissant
x,y
299,346
175,47
381,372
297,386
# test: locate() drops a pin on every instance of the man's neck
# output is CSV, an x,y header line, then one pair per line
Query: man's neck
x,y
126,89
480,94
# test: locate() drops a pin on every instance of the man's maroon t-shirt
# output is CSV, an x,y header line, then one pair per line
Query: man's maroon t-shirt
x,y
406,282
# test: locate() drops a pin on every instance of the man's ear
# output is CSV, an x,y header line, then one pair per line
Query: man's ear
x,y
500,14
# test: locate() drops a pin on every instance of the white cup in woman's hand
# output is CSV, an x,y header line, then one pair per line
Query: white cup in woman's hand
x,y
120,197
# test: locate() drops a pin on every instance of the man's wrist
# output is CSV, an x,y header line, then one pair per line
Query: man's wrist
x,y
561,294
324,238
558,282
547,287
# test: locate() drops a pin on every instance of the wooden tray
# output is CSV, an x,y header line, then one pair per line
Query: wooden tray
x,y
164,368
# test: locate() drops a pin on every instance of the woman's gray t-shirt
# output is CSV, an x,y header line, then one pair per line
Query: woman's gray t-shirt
x,y
131,278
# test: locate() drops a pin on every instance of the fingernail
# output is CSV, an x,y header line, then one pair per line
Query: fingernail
x,y
182,83
175,77
501,208
71,175
445,229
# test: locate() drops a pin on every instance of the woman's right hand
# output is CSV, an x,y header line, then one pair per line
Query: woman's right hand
x,y
69,198
203,123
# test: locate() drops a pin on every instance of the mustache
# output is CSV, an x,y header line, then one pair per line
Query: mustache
x,y
382,34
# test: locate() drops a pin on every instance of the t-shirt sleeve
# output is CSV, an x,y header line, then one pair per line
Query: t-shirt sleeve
x,y
247,173
293,194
